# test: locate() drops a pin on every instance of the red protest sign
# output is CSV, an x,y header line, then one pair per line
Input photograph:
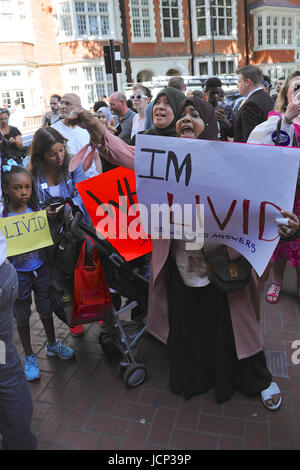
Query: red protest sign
x,y
111,202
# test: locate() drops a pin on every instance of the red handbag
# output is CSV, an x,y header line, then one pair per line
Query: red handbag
x,y
92,300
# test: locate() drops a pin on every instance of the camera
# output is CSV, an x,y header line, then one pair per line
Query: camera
x,y
55,204
4,141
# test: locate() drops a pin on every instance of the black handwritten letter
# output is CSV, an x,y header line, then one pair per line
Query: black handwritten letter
x,y
151,176
187,162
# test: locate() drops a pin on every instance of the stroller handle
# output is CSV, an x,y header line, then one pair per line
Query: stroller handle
x,y
67,212
74,224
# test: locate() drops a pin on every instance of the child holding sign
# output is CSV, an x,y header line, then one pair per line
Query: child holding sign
x,y
20,198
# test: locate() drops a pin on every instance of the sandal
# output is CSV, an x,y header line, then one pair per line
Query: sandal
x,y
273,292
268,394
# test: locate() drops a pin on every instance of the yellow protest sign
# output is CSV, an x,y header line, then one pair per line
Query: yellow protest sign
x,y
26,232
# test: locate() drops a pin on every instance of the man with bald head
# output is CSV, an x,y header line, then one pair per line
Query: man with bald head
x,y
77,137
118,106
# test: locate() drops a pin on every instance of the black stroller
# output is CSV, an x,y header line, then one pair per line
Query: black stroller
x,y
123,281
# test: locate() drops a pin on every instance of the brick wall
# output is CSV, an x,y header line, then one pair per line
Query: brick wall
x,y
273,56
46,49
17,52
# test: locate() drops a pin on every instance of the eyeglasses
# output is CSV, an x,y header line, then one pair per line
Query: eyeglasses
x,y
138,97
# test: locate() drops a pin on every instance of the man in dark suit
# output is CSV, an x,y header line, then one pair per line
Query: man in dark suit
x,y
255,107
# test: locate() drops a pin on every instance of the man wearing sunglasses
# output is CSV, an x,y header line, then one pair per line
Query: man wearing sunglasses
x,y
140,97
118,106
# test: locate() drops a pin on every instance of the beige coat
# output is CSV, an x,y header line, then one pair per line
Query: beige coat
x,y
244,304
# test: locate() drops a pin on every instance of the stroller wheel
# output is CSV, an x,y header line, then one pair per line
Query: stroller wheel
x,y
134,375
106,343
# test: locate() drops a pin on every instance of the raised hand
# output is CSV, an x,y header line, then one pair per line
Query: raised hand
x,y
287,231
83,118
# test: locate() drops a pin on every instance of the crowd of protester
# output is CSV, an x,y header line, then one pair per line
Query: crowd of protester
x,y
203,327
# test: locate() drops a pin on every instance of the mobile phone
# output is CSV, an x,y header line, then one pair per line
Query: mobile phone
x,y
118,128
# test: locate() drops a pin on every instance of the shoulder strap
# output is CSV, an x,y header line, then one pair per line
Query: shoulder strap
x,y
278,131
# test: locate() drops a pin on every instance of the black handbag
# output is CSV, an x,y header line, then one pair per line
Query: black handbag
x,y
228,275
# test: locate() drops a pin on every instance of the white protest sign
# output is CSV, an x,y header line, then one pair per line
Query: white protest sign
x,y
243,187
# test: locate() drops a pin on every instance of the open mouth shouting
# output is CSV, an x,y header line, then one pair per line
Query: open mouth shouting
x,y
187,131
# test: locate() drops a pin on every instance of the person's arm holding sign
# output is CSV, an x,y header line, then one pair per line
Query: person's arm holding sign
x,y
291,230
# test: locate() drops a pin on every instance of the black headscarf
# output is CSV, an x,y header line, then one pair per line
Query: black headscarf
x,y
207,114
175,98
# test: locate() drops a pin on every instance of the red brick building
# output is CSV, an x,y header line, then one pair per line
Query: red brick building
x,y
55,46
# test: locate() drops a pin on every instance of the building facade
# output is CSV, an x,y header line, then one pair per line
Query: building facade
x,y
56,46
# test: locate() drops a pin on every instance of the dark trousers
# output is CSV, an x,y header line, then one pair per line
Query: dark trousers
x,y
15,397
37,282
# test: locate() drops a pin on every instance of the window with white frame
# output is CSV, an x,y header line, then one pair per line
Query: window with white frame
x,y
278,70
219,67
203,68
222,67
274,31
201,17
171,16
5,99
20,96
222,13
85,18
89,81
298,33
141,18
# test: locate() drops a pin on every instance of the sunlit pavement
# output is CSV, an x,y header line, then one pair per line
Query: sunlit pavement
x,y
84,404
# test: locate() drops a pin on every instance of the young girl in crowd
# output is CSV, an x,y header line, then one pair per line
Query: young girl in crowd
x,y
20,198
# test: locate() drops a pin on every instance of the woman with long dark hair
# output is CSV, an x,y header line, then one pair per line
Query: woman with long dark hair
x,y
49,165
55,184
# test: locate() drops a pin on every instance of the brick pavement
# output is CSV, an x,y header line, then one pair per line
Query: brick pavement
x,y
83,404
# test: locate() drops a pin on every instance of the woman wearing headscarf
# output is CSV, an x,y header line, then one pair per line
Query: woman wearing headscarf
x,y
105,116
214,339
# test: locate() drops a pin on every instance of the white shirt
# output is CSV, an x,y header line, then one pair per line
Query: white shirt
x,y
138,125
191,264
3,252
77,138
265,132
54,117
54,190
